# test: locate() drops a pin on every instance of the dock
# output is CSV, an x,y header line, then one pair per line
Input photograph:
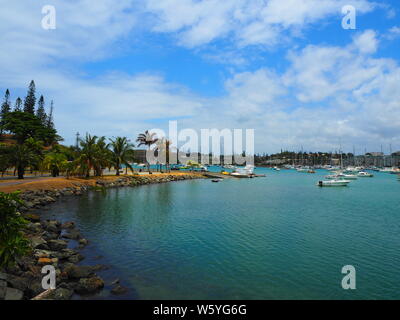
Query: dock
x,y
216,175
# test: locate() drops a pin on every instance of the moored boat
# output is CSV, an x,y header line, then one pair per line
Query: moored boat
x,y
365,174
333,183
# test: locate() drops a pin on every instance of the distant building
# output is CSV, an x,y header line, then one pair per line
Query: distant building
x,y
139,156
375,154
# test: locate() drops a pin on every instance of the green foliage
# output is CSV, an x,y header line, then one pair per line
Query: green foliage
x,y
94,155
41,112
121,153
30,100
18,105
22,156
5,109
25,125
147,139
12,242
54,162
4,158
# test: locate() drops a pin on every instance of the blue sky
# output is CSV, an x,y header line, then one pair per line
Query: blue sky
x,y
284,68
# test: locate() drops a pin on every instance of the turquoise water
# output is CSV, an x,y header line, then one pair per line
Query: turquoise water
x,y
279,237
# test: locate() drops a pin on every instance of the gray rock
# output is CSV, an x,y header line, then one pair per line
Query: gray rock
x,y
83,242
68,225
38,242
3,288
75,258
60,294
51,226
89,285
65,253
19,283
50,236
77,272
73,234
13,294
57,245
119,290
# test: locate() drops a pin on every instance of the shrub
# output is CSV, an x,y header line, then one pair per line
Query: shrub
x,y
12,241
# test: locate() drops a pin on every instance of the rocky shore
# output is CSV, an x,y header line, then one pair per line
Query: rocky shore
x,y
51,243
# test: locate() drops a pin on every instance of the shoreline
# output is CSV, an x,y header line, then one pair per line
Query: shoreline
x,y
51,240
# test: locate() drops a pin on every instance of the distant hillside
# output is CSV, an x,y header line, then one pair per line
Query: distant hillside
x,y
7,139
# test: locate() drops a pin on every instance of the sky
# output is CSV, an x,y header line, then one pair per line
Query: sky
x,y
287,69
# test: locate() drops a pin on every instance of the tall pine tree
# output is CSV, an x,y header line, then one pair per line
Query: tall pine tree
x,y
50,123
18,105
41,112
30,100
5,108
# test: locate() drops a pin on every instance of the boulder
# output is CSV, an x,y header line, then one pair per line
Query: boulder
x,y
50,236
38,243
83,242
89,285
60,294
73,234
32,217
57,245
13,294
65,253
19,283
117,290
3,288
68,225
75,258
51,226
77,272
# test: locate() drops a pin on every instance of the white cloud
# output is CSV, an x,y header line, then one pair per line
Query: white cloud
x,y
326,92
366,42
250,22
393,33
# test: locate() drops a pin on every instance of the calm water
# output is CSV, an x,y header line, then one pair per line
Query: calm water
x,y
279,237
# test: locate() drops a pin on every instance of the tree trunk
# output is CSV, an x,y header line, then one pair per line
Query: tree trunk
x,y
21,172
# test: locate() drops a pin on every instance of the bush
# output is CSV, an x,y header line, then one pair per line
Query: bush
x,y
12,241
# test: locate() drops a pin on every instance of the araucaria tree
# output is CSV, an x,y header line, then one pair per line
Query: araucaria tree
x,y
5,109
18,105
30,100
41,112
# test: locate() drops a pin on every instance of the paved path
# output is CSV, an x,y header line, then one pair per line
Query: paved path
x,y
4,182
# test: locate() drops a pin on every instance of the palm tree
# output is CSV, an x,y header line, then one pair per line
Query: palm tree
x,y
103,156
94,155
21,157
54,162
147,139
121,153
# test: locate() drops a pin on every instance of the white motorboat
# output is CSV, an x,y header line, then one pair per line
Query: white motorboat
x,y
365,174
347,176
277,169
333,183
246,172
